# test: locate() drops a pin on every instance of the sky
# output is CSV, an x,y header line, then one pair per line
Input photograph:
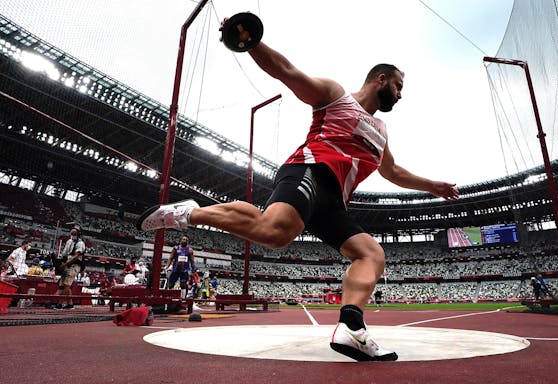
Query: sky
x,y
443,128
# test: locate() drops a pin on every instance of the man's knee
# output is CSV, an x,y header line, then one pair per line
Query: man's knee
x,y
363,246
277,234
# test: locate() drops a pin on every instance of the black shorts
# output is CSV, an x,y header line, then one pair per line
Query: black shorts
x,y
313,190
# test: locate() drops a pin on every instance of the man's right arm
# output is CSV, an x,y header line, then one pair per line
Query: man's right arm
x,y
11,258
316,92
169,260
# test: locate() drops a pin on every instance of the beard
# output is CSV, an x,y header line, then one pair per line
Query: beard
x,y
386,99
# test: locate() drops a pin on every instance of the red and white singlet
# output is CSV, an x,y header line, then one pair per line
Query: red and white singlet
x,y
346,138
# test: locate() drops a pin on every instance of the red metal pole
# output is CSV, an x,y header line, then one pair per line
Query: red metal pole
x,y
169,150
249,182
541,135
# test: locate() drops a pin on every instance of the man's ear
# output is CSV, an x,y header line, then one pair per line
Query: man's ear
x,y
382,79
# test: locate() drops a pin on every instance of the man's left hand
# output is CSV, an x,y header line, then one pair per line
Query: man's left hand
x,y
445,190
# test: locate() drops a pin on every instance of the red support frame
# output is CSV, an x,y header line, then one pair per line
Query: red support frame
x,y
541,135
249,184
169,149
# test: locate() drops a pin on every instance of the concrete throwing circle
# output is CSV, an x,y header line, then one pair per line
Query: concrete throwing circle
x,y
311,343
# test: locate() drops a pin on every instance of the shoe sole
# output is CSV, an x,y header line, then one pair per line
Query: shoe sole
x,y
144,216
359,355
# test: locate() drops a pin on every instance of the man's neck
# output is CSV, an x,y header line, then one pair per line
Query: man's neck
x,y
366,99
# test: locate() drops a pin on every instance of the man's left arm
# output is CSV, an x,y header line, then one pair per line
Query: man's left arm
x,y
402,177
192,260
71,260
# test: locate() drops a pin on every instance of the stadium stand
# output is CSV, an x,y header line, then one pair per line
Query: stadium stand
x,y
306,270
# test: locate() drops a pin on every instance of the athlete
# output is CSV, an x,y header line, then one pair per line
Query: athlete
x,y
345,144
182,260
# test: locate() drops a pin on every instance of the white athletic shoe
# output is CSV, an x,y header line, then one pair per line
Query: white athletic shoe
x,y
175,215
358,345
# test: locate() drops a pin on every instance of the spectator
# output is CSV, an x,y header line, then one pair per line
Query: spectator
x,y
206,286
36,269
378,297
194,284
48,271
132,278
85,280
131,266
544,286
104,289
214,284
536,284
143,271
17,258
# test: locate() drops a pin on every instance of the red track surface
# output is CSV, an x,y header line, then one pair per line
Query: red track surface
x,y
101,352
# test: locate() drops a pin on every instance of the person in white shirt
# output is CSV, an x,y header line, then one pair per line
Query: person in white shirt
x,y
142,271
85,280
18,256
132,278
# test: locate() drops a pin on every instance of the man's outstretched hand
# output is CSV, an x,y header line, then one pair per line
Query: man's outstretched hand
x,y
444,190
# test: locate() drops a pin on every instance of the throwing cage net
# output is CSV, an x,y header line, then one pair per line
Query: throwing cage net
x,y
532,37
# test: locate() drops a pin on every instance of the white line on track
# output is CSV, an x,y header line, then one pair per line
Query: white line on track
x,y
542,338
447,318
312,320
457,316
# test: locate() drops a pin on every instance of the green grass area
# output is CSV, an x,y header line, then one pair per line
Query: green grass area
x,y
474,235
425,307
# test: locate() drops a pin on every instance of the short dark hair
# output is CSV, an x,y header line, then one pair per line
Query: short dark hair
x,y
386,69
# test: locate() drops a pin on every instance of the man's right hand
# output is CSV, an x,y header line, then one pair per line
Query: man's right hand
x,y
221,28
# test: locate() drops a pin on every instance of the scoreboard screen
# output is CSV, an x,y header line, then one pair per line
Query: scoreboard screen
x,y
478,236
